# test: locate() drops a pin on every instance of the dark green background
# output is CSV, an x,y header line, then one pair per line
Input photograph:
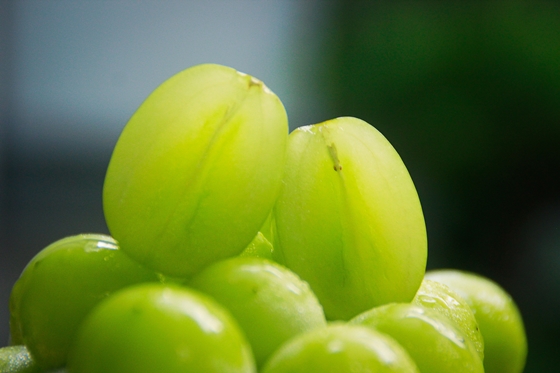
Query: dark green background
x,y
469,94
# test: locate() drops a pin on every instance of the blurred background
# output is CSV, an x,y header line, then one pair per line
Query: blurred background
x,y
467,92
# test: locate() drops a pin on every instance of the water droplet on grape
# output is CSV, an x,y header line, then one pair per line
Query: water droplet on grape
x,y
293,288
443,329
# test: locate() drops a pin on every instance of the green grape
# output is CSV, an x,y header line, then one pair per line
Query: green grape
x,y
16,359
348,219
499,319
440,298
260,247
60,285
271,303
160,328
431,339
196,170
341,348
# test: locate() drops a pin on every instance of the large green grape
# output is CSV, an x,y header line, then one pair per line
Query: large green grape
x,y
152,328
341,348
432,340
348,219
196,170
60,285
440,298
270,302
501,324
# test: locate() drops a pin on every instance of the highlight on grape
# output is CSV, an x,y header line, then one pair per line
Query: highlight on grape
x,y
238,247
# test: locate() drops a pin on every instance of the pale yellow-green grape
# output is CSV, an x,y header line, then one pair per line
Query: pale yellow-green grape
x,y
270,302
340,348
440,298
348,219
160,328
499,319
196,170
431,339
260,247
59,287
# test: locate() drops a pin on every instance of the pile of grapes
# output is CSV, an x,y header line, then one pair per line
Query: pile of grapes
x,y
239,247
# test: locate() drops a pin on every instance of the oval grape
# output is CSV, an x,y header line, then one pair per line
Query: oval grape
x,y
348,219
196,170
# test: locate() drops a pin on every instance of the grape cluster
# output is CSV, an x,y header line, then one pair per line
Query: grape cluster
x,y
237,246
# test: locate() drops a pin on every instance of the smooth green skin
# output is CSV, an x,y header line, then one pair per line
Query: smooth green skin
x,y
431,339
271,303
440,298
348,219
16,359
501,323
260,247
152,328
60,285
196,170
341,348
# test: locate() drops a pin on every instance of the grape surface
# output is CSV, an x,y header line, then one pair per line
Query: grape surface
x,y
500,321
160,328
348,219
440,298
341,348
196,170
60,285
270,302
431,339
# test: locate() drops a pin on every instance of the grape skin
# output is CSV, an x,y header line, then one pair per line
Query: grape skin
x,y
339,348
348,220
500,321
440,298
431,339
160,328
60,285
203,154
271,303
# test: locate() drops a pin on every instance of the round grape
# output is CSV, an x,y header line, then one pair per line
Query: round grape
x,y
270,302
341,348
431,339
160,328
440,298
501,324
60,285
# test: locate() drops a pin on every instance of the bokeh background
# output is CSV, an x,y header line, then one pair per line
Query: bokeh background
x,y
467,92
